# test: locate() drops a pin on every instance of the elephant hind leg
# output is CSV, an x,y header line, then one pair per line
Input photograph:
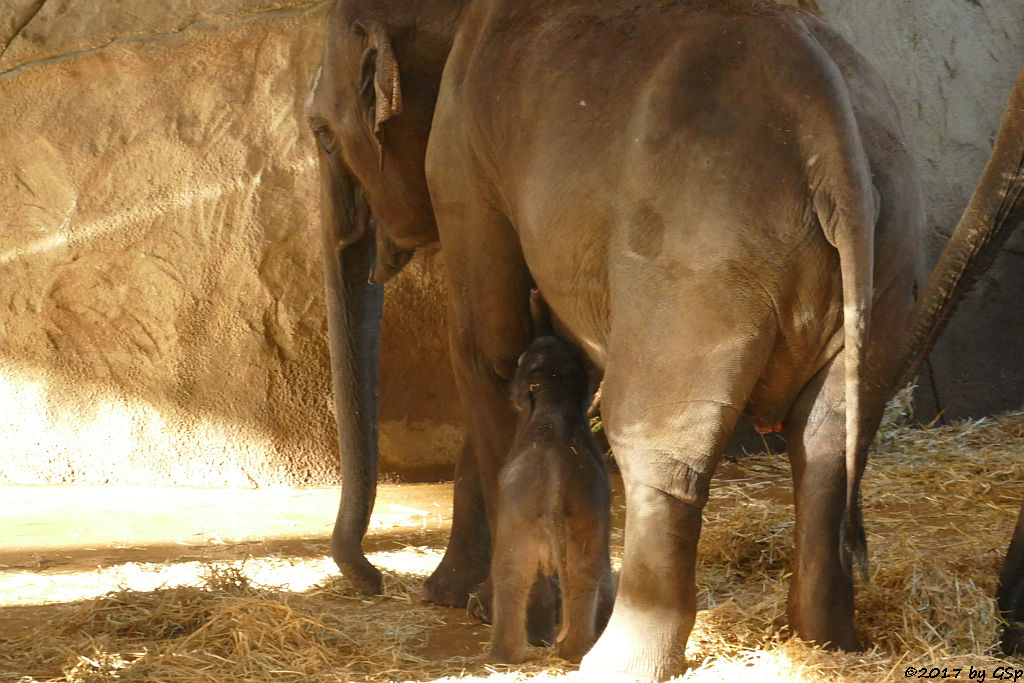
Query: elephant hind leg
x,y
666,489
821,592
513,573
583,594
671,399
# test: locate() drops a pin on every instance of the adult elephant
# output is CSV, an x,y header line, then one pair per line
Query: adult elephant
x,y
1010,598
716,202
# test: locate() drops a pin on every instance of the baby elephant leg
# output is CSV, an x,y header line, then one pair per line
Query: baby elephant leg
x,y
605,596
586,597
513,572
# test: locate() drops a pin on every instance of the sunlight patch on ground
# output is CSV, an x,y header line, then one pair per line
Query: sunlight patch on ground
x,y
937,527
293,575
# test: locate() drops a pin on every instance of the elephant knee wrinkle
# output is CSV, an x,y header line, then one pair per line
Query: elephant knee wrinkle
x,y
681,483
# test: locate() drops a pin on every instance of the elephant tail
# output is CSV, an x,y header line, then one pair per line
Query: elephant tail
x,y
845,203
995,211
562,561
561,554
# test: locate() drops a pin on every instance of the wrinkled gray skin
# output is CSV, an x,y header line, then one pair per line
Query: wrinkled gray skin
x,y
1010,598
717,204
553,507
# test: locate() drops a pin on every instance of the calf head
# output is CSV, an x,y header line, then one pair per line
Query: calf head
x,y
550,373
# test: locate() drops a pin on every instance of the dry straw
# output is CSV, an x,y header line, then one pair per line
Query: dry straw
x,y
939,505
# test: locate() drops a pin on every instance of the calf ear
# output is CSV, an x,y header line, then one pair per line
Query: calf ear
x,y
521,388
380,66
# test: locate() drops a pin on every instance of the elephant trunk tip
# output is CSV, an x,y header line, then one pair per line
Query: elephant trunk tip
x,y
354,566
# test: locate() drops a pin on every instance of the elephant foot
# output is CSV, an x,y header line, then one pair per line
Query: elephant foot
x,y
354,566
821,608
573,651
830,630
508,654
453,581
543,610
648,649
830,633
467,561
481,602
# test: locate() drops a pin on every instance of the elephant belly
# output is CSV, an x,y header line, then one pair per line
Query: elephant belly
x,y
572,274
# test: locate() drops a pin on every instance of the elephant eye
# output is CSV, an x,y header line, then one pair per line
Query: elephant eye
x,y
324,136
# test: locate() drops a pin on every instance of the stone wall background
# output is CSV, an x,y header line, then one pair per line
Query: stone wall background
x,y
161,314
951,65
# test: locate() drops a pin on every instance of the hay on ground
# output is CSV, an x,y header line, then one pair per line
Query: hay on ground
x,y
939,506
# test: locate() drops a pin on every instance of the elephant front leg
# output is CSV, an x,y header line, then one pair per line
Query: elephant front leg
x,y
489,326
466,561
488,334
656,604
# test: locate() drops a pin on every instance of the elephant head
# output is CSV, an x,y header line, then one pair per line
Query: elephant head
x,y
370,109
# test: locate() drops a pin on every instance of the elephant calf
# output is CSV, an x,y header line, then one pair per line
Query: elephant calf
x,y
553,507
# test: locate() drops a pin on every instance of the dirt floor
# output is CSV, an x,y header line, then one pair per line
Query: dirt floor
x,y
112,583
70,543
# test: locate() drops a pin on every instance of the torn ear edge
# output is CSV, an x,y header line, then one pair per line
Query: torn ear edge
x,y
386,82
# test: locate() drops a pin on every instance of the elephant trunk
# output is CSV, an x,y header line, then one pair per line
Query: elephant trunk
x,y
354,306
996,209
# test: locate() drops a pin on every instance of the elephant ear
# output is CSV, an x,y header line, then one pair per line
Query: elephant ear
x,y
379,60
521,388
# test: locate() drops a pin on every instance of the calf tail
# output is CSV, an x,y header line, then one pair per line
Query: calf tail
x,y
561,560
561,555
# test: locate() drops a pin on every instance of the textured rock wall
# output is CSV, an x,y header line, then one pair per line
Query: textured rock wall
x,y
161,314
161,319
